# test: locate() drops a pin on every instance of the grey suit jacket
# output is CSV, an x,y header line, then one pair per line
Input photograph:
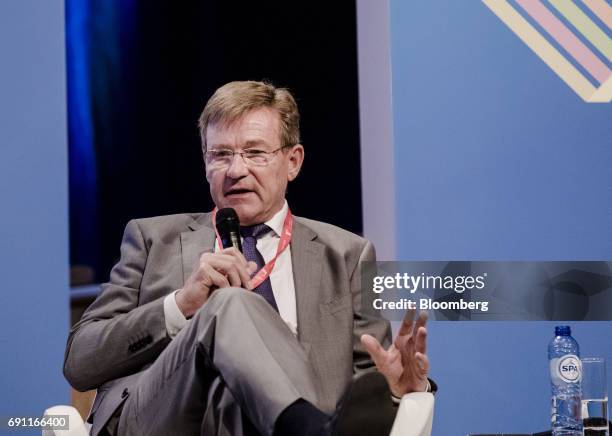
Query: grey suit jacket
x,y
124,330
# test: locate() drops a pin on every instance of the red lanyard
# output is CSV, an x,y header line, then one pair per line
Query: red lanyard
x,y
285,240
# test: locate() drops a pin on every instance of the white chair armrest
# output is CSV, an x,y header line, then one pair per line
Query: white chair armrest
x,y
414,416
76,425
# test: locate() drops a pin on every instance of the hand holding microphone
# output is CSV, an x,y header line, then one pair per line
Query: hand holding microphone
x,y
217,270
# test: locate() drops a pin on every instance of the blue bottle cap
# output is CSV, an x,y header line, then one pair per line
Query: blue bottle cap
x,y
563,330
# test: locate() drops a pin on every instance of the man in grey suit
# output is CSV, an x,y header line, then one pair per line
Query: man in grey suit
x,y
189,337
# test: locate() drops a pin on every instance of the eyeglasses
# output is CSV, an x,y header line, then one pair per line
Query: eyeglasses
x,y
223,158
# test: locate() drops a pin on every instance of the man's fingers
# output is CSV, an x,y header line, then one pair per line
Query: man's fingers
x,y
240,268
245,278
201,277
373,347
421,321
231,264
247,274
228,260
407,323
423,362
237,254
409,326
233,277
421,340
222,263
251,267
218,279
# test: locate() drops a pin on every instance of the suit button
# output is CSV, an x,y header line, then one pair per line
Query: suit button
x,y
124,393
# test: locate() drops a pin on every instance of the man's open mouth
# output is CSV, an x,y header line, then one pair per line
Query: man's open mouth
x,y
237,192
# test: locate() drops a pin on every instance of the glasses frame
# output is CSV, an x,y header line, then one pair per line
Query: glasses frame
x,y
269,157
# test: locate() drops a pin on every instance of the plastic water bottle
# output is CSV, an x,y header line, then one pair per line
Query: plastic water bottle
x,y
565,377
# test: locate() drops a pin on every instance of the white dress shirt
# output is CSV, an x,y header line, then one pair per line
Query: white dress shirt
x,y
281,279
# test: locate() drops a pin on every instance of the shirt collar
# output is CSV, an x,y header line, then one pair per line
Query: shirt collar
x,y
277,221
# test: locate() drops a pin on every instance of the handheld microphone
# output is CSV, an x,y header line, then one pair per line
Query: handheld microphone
x,y
228,226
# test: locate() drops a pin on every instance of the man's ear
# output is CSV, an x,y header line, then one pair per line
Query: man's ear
x,y
296,158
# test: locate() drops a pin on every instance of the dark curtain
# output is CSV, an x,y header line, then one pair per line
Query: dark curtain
x,y
139,74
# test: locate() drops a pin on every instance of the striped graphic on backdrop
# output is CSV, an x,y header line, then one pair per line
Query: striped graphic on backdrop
x,y
571,37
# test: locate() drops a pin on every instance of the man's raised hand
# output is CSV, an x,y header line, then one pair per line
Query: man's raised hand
x,y
405,364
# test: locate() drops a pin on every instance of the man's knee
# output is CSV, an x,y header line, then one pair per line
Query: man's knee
x,y
225,297
226,305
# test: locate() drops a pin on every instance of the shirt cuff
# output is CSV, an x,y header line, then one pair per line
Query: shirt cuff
x,y
175,320
429,389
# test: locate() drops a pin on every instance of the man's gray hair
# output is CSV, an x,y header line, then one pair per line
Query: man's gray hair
x,y
233,100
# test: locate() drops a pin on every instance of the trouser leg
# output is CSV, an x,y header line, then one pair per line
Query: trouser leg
x,y
235,339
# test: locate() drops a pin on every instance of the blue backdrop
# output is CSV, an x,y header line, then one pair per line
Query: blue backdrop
x,y
34,220
496,158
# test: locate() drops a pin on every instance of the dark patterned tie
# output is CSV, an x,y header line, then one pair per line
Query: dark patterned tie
x,y
251,253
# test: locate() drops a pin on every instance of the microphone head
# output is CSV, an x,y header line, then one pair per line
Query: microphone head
x,y
228,226
227,217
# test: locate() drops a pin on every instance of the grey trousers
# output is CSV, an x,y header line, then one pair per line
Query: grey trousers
x,y
235,359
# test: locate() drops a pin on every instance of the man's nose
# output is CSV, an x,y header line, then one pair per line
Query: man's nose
x,y
237,168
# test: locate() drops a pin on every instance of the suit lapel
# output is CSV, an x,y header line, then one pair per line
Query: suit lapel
x,y
306,257
199,239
